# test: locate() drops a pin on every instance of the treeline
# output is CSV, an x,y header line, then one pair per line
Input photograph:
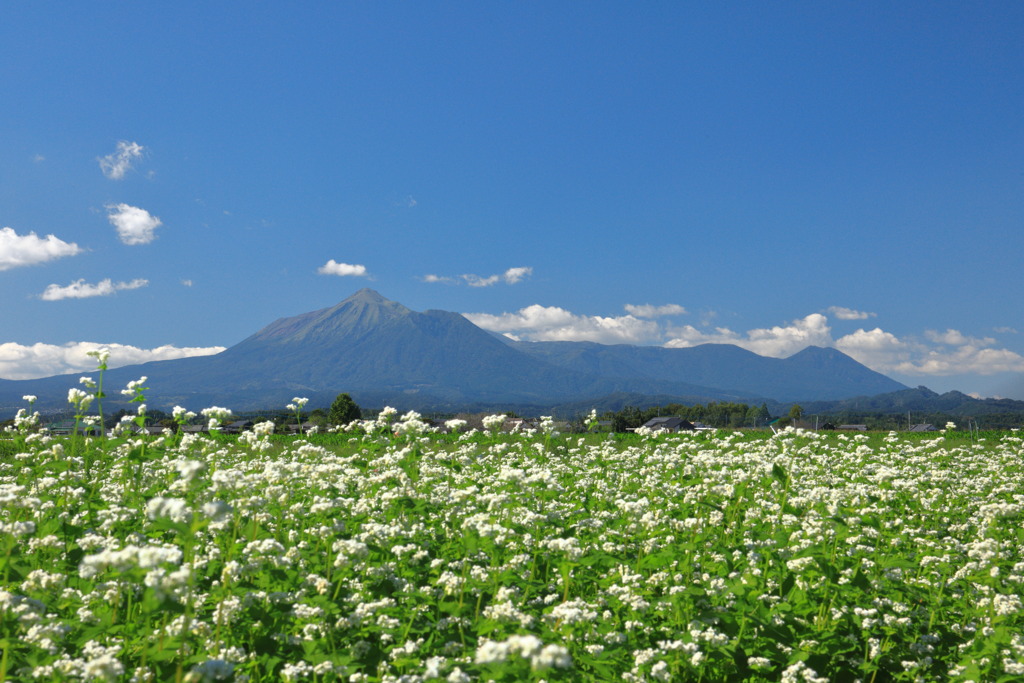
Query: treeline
x,y
713,414
901,422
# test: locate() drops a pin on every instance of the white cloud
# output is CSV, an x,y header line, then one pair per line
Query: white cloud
x,y
187,283
18,361
134,225
649,311
115,165
885,352
27,250
332,267
514,275
477,281
935,354
953,337
551,323
80,289
510,277
776,342
848,313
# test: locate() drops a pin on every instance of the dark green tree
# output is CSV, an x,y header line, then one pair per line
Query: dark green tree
x,y
344,410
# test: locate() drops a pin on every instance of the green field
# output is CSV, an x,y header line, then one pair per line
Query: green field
x,y
397,555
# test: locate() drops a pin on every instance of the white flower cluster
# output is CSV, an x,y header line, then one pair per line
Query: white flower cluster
x,y
530,647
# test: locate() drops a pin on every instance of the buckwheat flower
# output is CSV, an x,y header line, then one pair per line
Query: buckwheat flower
x,y
455,425
79,398
134,386
493,423
181,415
29,398
101,355
213,670
300,402
189,469
87,382
103,668
217,510
174,509
215,415
384,416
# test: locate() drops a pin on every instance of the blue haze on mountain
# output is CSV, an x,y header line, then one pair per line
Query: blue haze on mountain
x,y
382,353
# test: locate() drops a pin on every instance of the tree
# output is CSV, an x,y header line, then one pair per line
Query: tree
x,y
344,410
796,412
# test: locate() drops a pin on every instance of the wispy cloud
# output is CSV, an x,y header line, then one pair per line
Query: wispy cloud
x,y
134,225
332,267
649,311
27,250
32,361
80,289
510,277
843,313
115,165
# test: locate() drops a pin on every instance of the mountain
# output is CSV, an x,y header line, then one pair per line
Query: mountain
x,y
919,400
814,373
384,353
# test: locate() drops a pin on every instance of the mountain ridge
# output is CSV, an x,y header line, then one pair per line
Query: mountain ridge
x,y
369,345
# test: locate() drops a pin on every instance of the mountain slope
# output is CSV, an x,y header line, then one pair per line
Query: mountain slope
x,y
812,374
382,352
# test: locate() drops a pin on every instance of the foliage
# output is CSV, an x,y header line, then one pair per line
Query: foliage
x,y
344,410
390,553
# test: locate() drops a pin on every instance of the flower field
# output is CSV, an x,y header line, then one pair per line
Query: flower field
x,y
388,553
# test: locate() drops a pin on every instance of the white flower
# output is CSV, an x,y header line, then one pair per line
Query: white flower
x,y
101,355
493,423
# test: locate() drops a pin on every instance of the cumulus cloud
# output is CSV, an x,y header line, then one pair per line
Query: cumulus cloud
x,y
438,278
134,225
955,354
27,250
649,311
80,289
332,267
19,361
934,354
115,165
849,314
777,342
551,323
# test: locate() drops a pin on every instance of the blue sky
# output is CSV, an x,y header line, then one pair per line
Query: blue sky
x,y
173,178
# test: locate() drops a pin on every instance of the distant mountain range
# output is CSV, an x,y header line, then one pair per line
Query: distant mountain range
x,y
383,353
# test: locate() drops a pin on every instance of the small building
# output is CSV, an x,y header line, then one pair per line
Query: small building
x,y
853,428
923,428
66,427
669,424
236,427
